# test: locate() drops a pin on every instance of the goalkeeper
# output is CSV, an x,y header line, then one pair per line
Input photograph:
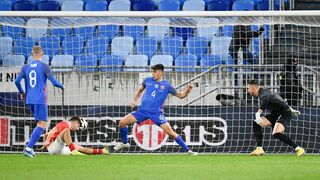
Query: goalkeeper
x,y
58,138
280,115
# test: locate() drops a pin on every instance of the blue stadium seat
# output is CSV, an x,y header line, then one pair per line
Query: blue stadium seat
x,y
218,5
169,5
26,5
206,31
85,31
37,27
98,45
5,46
122,46
183,32
5,5
14,60
166,60
207,61
89,61
98,5
135,61
120,5
72,6
197,46
50,45
172,46
134,31
186,63
159,32
227,30
243,5
45,59
147,46
13,31
73,45
220,46
111,63
23,45
58,27
51,5
143,5
192,5
65,62
108,30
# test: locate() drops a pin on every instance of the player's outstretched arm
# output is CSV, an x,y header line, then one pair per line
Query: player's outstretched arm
x,y
55,82
46,142
185,93
137,96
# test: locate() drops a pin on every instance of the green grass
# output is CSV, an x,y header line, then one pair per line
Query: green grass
x,y
164,167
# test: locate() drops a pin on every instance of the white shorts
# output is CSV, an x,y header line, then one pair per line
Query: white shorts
x,y
58,147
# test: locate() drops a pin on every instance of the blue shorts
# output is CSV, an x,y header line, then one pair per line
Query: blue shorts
x,y
157,118
39,111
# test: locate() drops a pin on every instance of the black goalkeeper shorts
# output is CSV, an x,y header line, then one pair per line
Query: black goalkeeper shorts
x,y
283,119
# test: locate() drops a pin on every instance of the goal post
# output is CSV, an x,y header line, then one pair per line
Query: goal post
x,y
102,58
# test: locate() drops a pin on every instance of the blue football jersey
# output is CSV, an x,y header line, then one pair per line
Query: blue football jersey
x,y
36,74
155,94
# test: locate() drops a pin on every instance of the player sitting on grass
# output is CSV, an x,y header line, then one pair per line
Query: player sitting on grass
x,y
280,116
56,139
156,90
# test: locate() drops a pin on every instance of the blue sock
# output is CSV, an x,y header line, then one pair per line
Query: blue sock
x,y
124,134
35,136
181,143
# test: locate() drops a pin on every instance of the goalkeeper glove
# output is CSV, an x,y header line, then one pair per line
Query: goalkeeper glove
x,y
294,112
258,119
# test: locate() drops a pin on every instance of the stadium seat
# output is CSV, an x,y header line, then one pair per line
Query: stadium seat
x,y
218,5
143,5
73,45
172,46
98,5
147,46
108,30
186,63
120,5
26,5
169,5
85,31
37,27
166,60
72,6
23,45
122,46
50,45
183,32
98,45
14,60
62,63
227,30
51,5
5,46
111,63
45,59
197,46
11,31
136,62
220,46
192,5
134,31
5,5
158,28
90,61
207,61
58,27
243,5
207,31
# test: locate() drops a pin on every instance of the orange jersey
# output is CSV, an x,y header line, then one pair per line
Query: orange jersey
x,y
60,127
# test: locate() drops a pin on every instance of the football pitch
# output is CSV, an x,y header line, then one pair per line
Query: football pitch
x,y
164,167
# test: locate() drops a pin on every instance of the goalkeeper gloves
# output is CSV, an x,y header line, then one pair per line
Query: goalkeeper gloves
x,y
258,119
294,112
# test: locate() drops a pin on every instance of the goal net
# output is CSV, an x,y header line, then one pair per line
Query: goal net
x,y
102,60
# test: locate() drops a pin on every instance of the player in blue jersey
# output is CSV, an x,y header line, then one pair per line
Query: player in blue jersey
x,y
35,75
156,91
